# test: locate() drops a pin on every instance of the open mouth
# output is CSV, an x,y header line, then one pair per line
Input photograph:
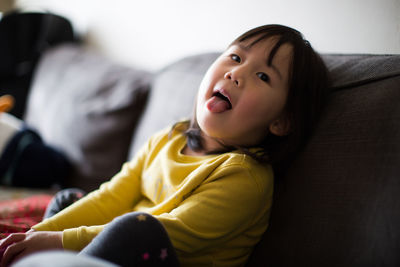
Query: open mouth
x,y
224,98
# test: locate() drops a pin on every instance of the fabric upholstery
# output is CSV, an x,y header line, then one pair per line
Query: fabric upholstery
x,y
88,107
172,97
339,204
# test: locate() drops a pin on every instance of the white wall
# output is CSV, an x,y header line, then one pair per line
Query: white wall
x,y
152,33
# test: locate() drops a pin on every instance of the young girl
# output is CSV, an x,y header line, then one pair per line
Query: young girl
x,y
201,192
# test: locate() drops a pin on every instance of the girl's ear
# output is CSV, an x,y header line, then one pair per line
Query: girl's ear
x,y
281,126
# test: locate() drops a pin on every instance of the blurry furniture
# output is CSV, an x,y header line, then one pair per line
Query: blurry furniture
x,y
339,204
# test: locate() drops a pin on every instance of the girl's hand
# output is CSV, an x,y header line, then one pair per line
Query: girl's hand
x,y
21,244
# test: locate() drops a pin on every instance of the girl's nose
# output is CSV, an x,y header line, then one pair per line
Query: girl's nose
x,y
230,76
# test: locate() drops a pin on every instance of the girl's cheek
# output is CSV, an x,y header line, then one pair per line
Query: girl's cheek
x,y
205,85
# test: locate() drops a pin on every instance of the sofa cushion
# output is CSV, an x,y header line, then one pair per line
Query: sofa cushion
x,y
88,107
348,70
339,204
172,96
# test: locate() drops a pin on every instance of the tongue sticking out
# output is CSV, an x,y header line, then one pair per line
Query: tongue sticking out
x,y
217,105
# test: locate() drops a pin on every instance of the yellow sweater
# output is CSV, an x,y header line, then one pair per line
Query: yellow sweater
x,y
215,207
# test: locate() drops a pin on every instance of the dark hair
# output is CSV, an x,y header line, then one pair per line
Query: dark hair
x,y
308,84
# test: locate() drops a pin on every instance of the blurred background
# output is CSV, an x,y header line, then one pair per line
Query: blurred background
x,y
153,33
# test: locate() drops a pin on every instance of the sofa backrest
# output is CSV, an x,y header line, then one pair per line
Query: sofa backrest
x,y
172,96
86,106
339,204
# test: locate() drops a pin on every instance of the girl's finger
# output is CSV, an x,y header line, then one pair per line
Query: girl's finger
x,y
12,239
11,252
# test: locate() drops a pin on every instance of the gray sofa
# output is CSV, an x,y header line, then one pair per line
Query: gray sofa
x,y
338,205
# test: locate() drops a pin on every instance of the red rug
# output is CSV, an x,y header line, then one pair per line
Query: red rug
x,y
19,215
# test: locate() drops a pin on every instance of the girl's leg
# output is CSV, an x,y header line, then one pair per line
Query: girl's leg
x,y
134,239
63,199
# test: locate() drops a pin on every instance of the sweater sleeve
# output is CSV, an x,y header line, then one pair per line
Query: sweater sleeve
x,y
234,201
85,218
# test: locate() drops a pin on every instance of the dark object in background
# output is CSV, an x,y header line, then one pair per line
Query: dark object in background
x,y
23,38
28,162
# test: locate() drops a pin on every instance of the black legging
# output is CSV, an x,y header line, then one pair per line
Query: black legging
x,y
133,239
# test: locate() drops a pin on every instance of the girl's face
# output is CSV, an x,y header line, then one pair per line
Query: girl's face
x,y
241,98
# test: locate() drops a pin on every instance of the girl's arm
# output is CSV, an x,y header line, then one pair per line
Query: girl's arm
x,y
85,218
112,199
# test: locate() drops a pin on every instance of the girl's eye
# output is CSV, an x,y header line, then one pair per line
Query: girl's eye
x,y
264,77
236,58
